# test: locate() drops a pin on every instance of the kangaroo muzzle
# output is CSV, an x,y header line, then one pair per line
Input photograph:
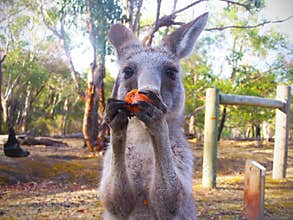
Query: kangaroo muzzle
x,y
149,82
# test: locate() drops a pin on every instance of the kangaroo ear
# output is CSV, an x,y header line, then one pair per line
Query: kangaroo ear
x,y
181,41
122,39
114,94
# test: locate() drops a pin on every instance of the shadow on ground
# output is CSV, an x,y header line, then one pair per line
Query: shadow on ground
x,y
62,182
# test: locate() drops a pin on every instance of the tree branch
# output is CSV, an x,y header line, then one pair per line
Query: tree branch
x,y
137,16
188,6
62,37
19,11
92,35
130,7
158,12
247,26
13,84
149,38
166,21
246,6
44,14
195,111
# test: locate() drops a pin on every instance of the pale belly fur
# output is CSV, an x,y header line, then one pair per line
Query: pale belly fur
x,y
140,167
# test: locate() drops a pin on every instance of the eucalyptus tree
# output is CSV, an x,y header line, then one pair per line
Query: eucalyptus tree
x,y
13,23
95,20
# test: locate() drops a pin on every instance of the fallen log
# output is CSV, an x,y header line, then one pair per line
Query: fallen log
x,y
29,140
74,135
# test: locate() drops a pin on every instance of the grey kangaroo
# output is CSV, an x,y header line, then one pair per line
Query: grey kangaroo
x,y
148,166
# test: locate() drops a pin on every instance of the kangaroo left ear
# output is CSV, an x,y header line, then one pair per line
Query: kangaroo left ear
x,y
114,93
182,40
123,39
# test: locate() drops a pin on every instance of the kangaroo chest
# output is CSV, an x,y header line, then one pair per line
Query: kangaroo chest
x,y
139,156
139,159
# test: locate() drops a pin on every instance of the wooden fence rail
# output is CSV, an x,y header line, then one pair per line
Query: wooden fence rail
x,y
214,98
228,99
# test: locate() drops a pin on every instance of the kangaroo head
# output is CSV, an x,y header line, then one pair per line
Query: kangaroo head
x,y
156,68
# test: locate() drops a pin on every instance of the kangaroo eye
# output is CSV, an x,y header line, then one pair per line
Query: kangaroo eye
x,y
171,72
128,72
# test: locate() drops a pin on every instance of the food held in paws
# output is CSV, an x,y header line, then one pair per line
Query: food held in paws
x,y
132,97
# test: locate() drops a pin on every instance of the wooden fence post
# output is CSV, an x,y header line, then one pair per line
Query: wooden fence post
x,y
281,133
209,168
254,185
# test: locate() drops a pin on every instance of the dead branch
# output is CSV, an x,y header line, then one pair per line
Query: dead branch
x,y
195,111
247,26
165,21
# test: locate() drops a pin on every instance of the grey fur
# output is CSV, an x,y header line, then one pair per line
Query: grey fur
x,y
149,158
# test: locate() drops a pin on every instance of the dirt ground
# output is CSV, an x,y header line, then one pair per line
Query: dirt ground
x,y
61,183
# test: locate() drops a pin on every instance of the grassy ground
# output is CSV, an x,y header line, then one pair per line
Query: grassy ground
x,y
61,183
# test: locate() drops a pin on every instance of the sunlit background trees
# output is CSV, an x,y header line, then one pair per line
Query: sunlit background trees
x,y
57,70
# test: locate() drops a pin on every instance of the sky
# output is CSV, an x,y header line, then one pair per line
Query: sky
x,y
274,10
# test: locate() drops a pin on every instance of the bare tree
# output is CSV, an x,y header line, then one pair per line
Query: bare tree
x,y
61,34
94,96
3,56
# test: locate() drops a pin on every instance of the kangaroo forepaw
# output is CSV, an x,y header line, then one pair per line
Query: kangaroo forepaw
x,y
149,113
156,101
116,115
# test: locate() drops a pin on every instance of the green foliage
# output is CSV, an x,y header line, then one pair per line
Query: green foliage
x,y
254,61
103,13
108,85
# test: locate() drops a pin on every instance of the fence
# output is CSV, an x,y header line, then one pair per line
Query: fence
x,y
214,98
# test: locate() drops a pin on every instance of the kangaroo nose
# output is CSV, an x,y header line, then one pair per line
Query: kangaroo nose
x,y
150,88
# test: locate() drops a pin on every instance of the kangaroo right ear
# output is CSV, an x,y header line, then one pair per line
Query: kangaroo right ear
x,y
123,39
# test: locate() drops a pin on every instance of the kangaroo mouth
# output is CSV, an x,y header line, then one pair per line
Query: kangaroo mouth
x,y
156,98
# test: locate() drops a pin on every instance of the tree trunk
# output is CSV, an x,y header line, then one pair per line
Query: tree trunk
x,y
252,131
257,132
104,130
2,59
90,122
222,123
95,80
54,104
248,131
191,126
65,114
1,109
137,18
102,98
26,110
5,112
